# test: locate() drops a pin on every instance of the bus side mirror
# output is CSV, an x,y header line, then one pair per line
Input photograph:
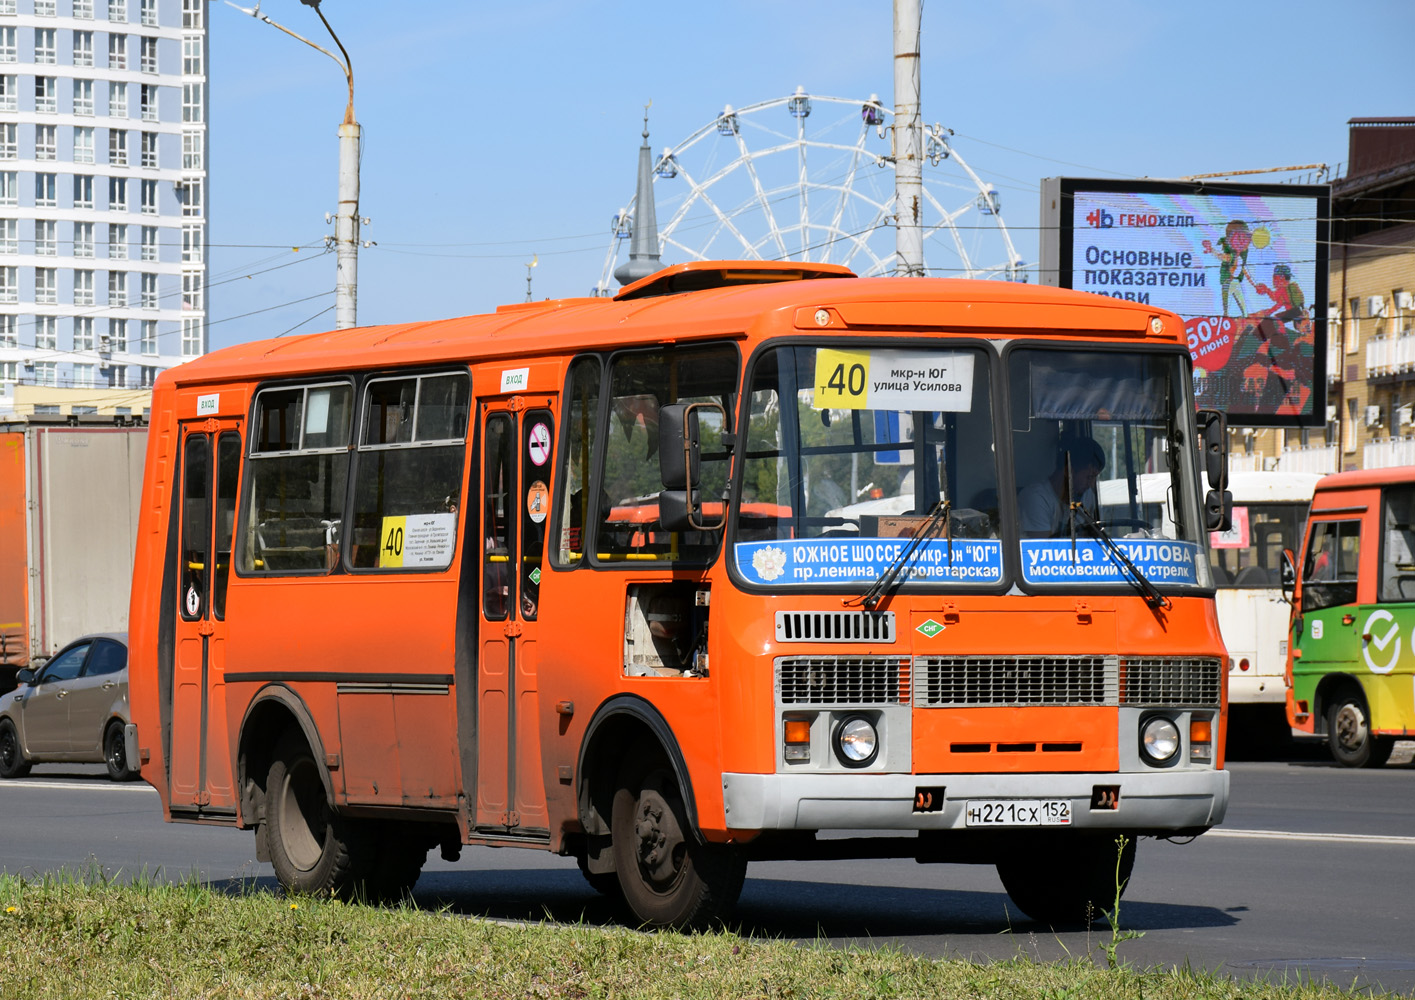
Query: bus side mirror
x,y
1213,432
1289,575
1218,510
679,451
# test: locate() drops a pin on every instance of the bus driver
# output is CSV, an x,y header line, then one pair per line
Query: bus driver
x,y
1043,505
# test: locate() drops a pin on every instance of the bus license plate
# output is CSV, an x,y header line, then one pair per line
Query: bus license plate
x,y
1018,812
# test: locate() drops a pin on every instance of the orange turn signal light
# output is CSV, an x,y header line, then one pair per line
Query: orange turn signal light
x,y
798,731
1201,731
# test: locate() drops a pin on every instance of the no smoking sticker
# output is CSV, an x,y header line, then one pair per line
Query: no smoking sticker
x,y
538,443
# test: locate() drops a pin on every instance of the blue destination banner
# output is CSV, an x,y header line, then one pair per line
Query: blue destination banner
x,y
1161,560
862,560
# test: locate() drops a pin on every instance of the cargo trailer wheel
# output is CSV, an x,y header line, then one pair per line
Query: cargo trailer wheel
x,y
115,753
12,758
1349,734
1069,883
313,849
667,877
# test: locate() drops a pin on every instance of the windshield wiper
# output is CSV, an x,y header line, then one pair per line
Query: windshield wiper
x,y
938,514
1147,590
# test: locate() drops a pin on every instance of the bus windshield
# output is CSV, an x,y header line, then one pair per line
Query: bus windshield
x,y
853,448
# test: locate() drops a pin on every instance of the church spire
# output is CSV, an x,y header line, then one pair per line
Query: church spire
x,y
643,244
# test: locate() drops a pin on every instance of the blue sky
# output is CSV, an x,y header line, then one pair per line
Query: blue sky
x,y
493,132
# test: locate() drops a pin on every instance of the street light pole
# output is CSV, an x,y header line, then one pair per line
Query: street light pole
x,y
346,219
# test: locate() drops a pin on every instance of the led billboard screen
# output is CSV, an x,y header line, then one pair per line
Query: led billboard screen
x,y
1245,265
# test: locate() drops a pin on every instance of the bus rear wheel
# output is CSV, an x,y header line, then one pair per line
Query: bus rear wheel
x,y
1069,883
1349,735
668,878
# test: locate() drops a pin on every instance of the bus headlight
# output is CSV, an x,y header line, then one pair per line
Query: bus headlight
x,y
856,741
1159,739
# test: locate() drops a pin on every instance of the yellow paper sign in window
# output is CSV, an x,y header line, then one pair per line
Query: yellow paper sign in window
x,y
390,544
842,380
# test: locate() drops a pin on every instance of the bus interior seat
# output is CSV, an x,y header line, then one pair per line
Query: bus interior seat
x,y
1252,576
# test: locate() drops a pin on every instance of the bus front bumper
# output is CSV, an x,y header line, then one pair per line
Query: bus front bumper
x,y
1148,802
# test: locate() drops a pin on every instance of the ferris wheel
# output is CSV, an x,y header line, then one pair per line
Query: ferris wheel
x,y
810,178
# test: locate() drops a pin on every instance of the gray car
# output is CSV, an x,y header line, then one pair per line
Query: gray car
x,y
72,710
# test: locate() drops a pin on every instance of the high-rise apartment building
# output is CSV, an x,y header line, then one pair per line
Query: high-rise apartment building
x,y
103,193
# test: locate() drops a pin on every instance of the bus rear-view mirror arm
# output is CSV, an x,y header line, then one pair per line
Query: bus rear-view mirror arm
x,y
1289,575
679,459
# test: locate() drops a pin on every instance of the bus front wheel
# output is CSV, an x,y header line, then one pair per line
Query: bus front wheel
x,y
667,877
1349,735
1069,884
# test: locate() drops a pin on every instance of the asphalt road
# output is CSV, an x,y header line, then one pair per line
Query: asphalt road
x,y
1311,876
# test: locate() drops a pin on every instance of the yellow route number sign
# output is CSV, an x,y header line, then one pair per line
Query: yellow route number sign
x,y
894,380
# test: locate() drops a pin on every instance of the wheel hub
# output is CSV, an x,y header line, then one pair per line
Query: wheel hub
x,y
1350,727
660,838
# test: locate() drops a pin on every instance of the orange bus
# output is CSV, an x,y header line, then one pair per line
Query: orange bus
x,y
747,556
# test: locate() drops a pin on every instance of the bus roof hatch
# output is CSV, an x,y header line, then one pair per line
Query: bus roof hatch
x,y
700,275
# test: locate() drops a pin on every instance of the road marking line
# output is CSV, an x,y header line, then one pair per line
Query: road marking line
x,y
1339,838
110,786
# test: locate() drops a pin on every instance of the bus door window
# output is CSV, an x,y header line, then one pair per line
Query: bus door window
x,y
196,525
1398,544
1329,573
228,468
498,486
581,424
536,436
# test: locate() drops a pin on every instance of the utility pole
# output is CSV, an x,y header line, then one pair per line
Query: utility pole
x,y
535,259
346,218
908,142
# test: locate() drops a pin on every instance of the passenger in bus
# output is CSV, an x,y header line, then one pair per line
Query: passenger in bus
x,y
1042,504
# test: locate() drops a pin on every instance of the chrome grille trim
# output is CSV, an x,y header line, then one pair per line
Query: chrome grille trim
x,y
961,681
843,680
835,626
1171,680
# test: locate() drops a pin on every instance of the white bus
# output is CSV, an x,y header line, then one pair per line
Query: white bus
x,y
1269,513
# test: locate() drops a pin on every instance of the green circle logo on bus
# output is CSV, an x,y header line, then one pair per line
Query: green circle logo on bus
x,y
1380,642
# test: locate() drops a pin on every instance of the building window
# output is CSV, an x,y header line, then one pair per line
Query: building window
x,y
46,237
7,7
118,10
9,284
149,197
118,376
9,331
83,97
46,142
149,55
148,14
44,46
46,333
117,194
82,378
44,8
191,57
83,9
192,102
83,48
9,371
191,337
149,336
148,291
192,158
147,95
83,325
9,236
149,242
46,100
83,296
44,196
9,187
83,239
192,291
149,149
46,373
192,14
83,143
191,244
9,93
9,141
83,191
117,242
117,100
149,376
117,288
189,194
8,51
117,51
46,286
117,336
118,147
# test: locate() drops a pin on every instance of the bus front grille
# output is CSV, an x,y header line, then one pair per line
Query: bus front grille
x,y
835,626
1171,680
843,680
955,681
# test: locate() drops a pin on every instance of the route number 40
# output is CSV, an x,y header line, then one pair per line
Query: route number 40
x,y
849,382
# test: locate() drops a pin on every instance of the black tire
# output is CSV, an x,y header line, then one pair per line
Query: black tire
x,y
115,753
12,758
604,883
1349,736
667,877
1074,882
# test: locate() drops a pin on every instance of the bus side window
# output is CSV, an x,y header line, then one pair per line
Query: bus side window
x,y
1330,570
581,419
1398,546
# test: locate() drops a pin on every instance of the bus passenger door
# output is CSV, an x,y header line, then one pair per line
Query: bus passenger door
x,y
200,770
516,436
